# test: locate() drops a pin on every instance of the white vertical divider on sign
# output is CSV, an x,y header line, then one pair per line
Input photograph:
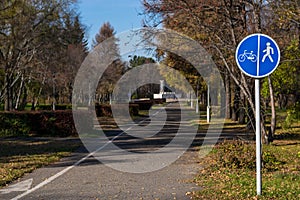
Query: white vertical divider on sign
x,y
258,54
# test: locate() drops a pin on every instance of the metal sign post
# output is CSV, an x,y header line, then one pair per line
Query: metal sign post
x,y
258,137
257,56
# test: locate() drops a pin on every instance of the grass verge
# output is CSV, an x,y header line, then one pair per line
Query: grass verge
x,y
23,155
229,171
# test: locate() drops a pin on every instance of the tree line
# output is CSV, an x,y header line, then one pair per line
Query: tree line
x,y
219,26
42,44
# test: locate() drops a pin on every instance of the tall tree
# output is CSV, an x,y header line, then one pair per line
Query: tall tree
x,y
218,26
106,31
115,70
32,46
76,50
148,90
283,19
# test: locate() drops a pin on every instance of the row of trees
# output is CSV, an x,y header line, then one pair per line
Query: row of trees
x,y
114,71
118,68
219,26
42,44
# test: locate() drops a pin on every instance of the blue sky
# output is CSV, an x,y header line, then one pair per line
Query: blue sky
x,y
123,15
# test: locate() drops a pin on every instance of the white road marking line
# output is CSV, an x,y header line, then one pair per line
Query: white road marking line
x,y
52,178
18,187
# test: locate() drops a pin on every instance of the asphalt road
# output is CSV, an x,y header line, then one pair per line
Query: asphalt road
x,y
81,176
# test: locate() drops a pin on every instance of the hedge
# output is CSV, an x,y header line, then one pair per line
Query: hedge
x,y
39,123
55,123
57,107
144,105
104,110
147,104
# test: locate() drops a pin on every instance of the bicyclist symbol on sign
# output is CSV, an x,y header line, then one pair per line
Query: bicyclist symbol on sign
x,y
250,56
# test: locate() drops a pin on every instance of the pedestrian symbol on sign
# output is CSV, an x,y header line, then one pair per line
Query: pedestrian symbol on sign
x,y
269,50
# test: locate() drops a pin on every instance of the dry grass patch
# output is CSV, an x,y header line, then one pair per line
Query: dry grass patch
x,y
20,156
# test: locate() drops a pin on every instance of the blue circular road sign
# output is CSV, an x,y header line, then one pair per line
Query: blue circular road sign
x,y
257,55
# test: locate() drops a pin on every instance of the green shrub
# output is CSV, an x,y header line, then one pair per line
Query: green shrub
x,y
271,162
69,106
239,154
144,104
134,109
63,107
104,110
57,107
202,107
236,155
44,107
293,115
55,123
158,101
13,126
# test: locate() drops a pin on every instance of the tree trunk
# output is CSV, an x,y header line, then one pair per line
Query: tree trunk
x,y
20,93
7,92
32,104
228,96
250,119
264,135
273,117
251,112
235,107
242,111
39,93
282,101
24,99
223,104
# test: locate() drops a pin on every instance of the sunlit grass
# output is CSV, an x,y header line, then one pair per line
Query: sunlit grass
x,y
282,181
218,182
18,157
